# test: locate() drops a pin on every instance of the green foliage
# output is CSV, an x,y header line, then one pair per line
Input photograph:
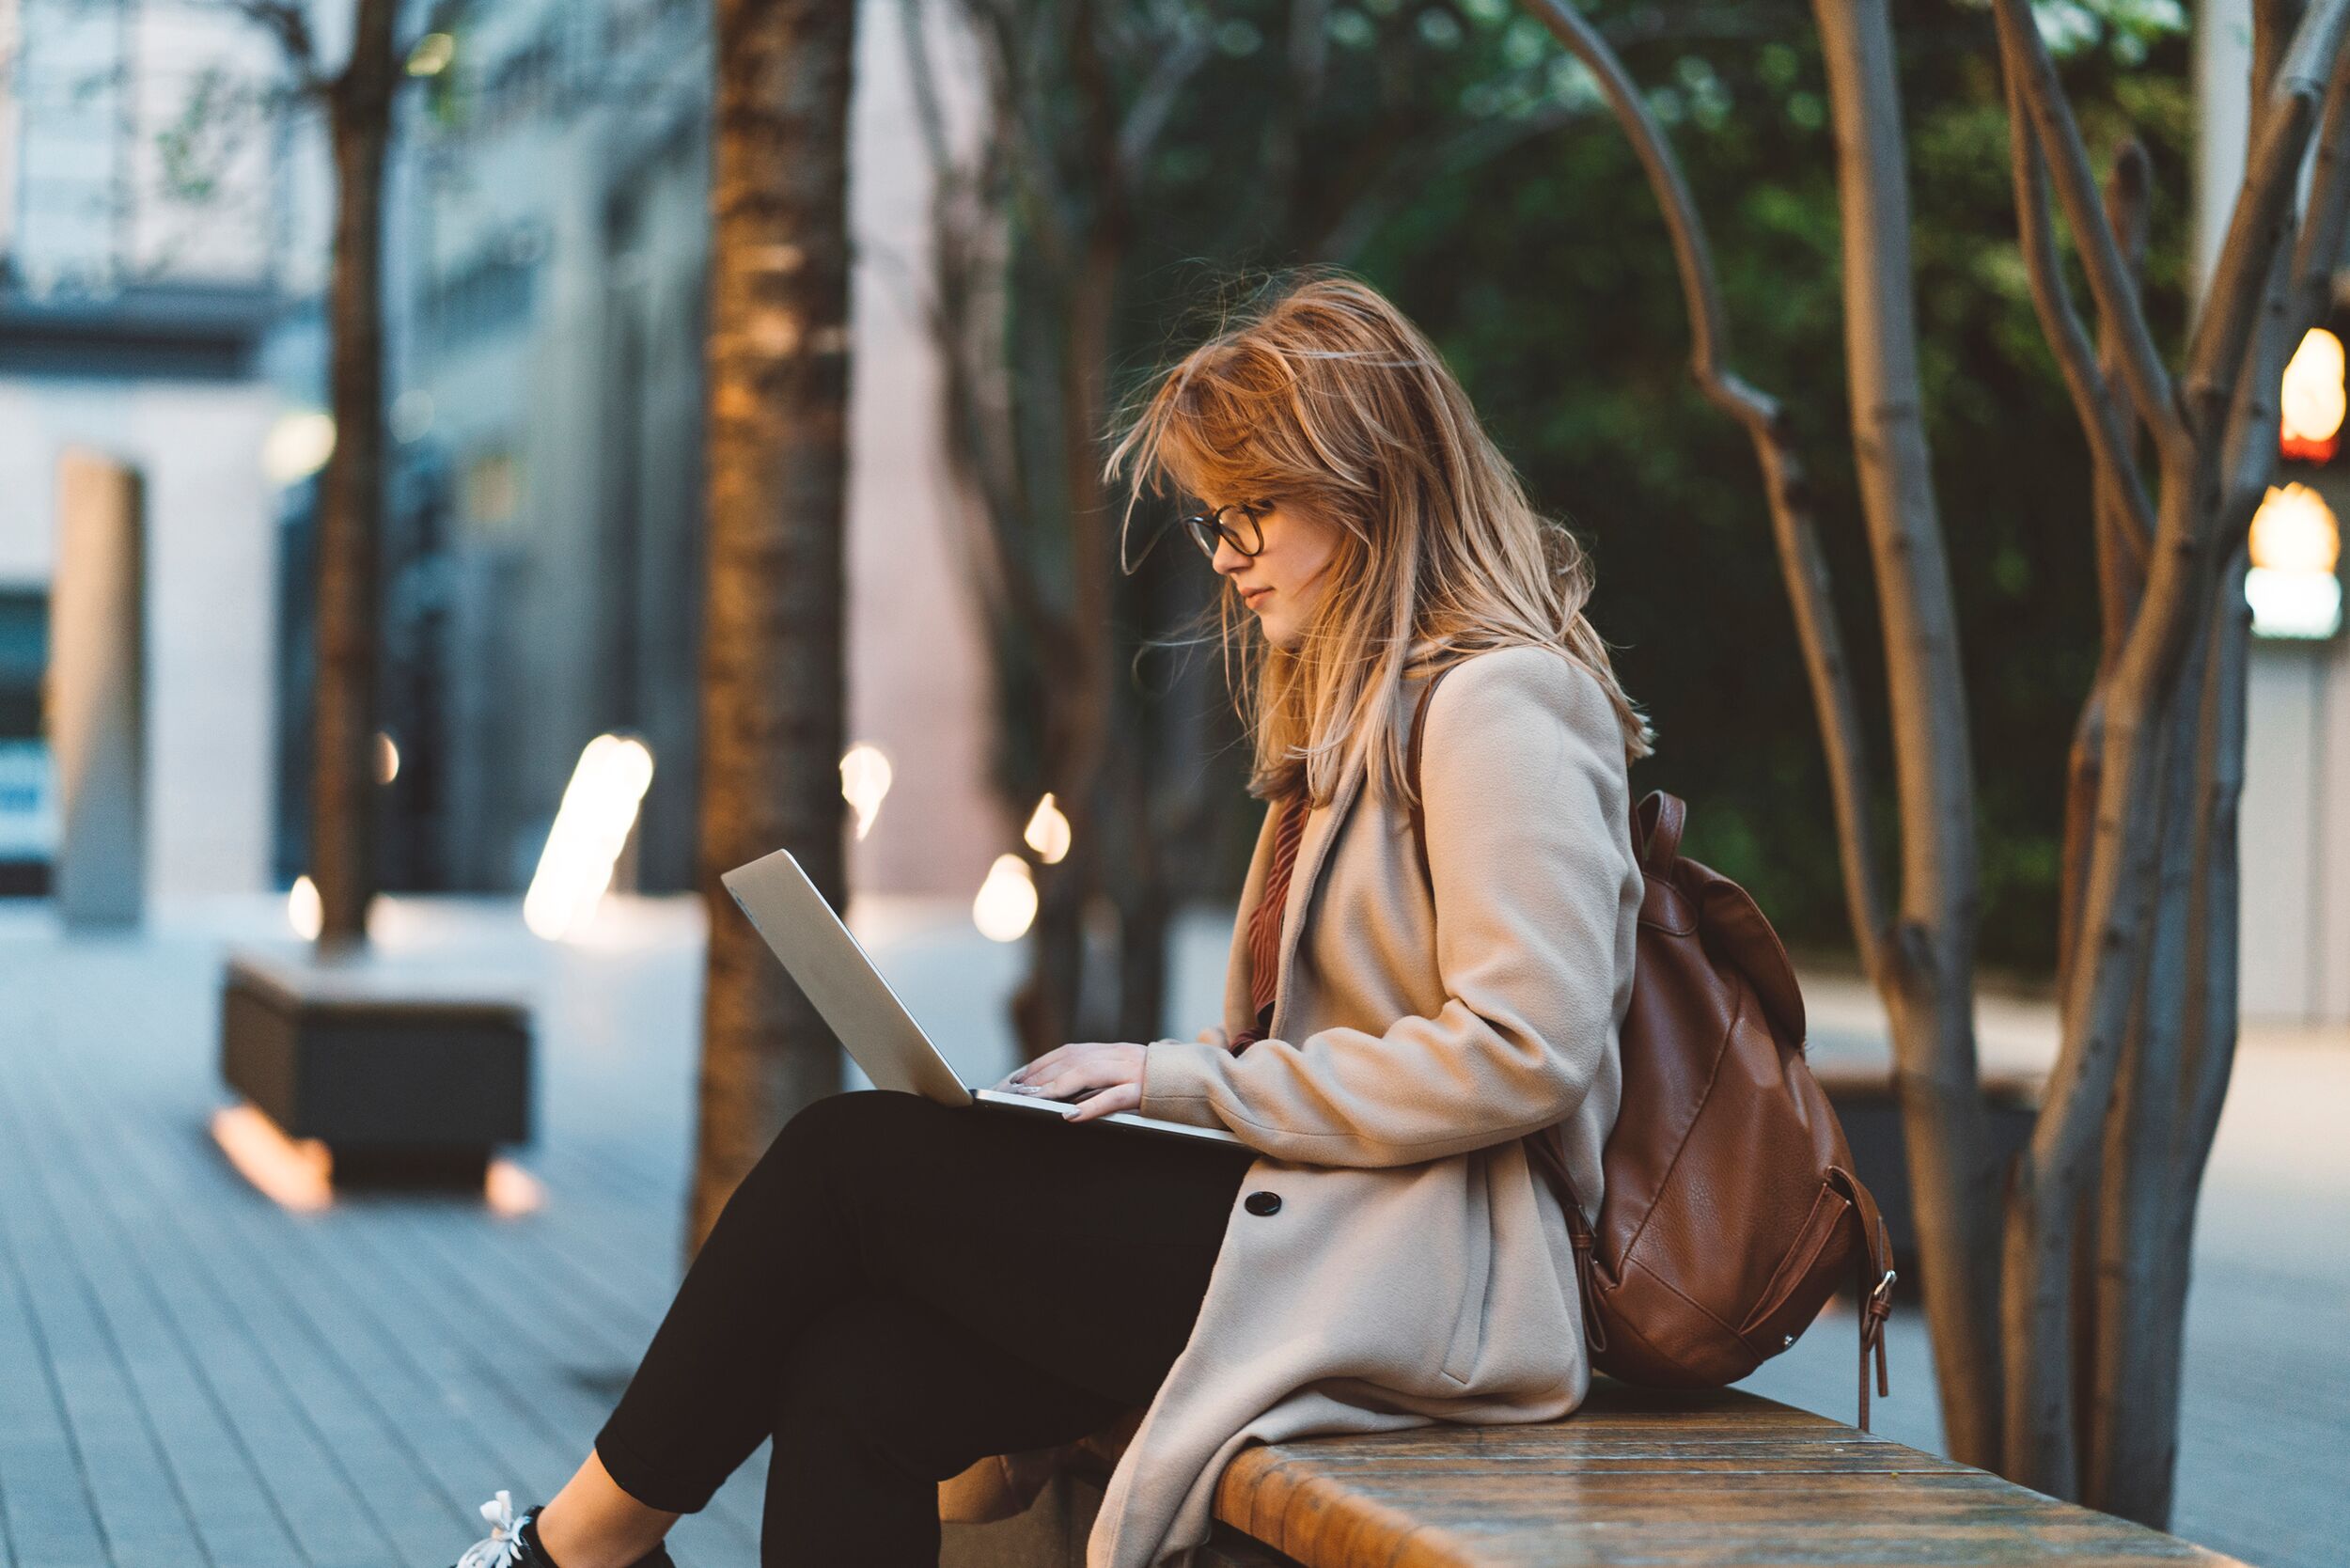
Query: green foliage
x,y
1545,278
1464,162
215,120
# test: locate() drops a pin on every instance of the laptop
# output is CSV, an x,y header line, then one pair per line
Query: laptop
x,y
826,961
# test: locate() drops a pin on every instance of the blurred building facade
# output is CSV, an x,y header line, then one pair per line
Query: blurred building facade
x,y
143,263
162,258
162,261
549,214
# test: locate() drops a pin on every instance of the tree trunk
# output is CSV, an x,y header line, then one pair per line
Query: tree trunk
x,y
1927,979
350,505
1141,888
773,677
2133,1455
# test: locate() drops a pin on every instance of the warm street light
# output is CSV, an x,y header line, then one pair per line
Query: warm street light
x,y
2313,399
304,911
297,446
431,55
2292,586
1007,901
865,776
591,828
1048,831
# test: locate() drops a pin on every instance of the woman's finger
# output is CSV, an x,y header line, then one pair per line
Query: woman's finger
x,y
1045,1063
1087,1073
1103,1065
1119,1097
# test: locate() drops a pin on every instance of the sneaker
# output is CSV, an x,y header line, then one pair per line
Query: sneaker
x,y
513,1543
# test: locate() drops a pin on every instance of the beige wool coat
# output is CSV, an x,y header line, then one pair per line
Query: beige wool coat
x,y
1418,1268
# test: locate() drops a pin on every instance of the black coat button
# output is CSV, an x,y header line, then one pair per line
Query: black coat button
x,y
1264,1203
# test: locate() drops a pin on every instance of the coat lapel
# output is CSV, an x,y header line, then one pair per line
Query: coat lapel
x,y
1313,853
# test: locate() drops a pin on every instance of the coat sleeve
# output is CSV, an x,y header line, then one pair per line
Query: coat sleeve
x,y
1530,862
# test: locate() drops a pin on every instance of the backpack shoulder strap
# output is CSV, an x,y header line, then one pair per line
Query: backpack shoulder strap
x,y
1654,840
1411,766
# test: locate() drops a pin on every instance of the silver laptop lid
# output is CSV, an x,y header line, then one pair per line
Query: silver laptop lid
x,y
840,979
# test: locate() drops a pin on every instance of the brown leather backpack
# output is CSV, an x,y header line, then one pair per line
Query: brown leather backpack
x,y
1729,1210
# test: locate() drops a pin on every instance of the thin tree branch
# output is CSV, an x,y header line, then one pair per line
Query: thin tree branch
x,y
2248,454
2129,204
1175,65
2273,25
1803,563
2261,219
2109,280
2288,311
2121,570
2317,250
2102,419
286,21
1411,177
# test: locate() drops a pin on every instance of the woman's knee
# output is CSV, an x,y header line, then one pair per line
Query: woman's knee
x,y
839,1131
923,1392
870,1372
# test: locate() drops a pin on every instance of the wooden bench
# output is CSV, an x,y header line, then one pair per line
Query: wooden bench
x,y
1719,1479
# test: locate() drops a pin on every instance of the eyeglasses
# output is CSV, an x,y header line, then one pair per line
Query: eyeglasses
x,y
1244,532
1208,528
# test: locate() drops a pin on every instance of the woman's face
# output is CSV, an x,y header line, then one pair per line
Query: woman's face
x,y
1282,582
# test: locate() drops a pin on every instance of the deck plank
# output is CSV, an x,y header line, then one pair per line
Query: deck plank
x,y
350,1488
216,1478
52,1522
216,1381
131,1489
510,1286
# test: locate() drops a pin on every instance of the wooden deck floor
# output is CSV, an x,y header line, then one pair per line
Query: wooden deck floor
x,y
192,1376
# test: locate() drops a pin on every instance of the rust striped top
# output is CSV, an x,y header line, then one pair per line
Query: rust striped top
x,y
1264,921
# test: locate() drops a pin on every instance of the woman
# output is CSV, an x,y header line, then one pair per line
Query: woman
x,y
918,1301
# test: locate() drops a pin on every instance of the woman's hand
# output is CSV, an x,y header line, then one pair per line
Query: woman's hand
x,y
1115,1071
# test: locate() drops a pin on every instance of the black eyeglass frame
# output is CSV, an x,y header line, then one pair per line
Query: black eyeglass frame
x,y
1208,527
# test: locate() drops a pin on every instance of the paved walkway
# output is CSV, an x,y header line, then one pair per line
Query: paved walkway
x,y
192,1376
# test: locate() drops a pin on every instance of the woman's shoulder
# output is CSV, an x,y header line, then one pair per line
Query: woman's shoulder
x,y
1509,684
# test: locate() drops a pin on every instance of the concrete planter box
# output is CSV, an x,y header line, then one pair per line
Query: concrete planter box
x,y
1871,1113
400,1073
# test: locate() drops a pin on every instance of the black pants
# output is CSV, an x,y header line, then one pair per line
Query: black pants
x,y
900,1288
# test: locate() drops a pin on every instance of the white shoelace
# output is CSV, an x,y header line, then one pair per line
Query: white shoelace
x,y
503,1546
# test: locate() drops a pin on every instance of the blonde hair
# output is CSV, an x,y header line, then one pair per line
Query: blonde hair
x,y
1325,396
